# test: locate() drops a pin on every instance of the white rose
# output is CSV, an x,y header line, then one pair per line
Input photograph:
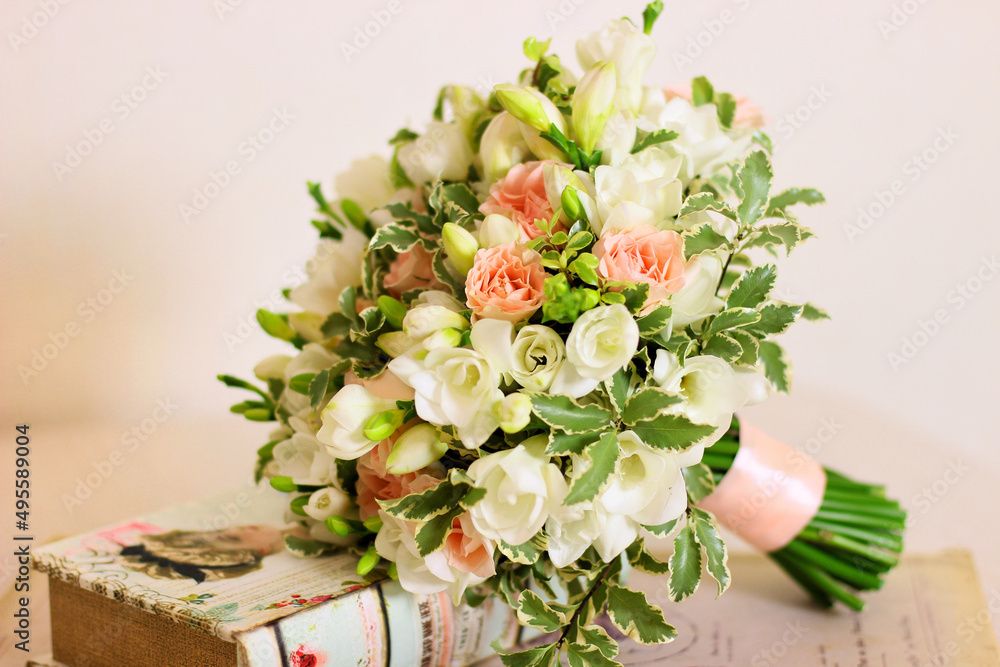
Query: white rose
x,y
697,299
344,421
303,458
602,341
328,502
703,144
441,153
427,575
337,265
522,489
642,189
648,487
631,51
454,386
366,183
537,355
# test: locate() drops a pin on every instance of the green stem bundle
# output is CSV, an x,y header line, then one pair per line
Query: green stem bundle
x,y
850,544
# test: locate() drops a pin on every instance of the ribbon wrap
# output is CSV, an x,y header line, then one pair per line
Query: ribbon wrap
x,y
770,494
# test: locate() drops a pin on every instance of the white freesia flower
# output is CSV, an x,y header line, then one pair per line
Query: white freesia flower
x,y
697,299
642,189
367,183
430,313
631,51
454,386
337,265
537,355
702,143
494,339
496,229
313,358
427,575
572,530
542,148
602,341
648,487
502,146
327,502
440,153
303,458
344,421
513,412
712,389
522,488
418,447
618,138
272,367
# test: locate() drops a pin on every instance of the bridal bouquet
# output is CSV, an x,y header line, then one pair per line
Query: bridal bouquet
x,y
521,334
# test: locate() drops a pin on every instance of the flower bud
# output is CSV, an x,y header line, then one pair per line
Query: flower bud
x,y
338,525
496,230
501,146
283,484
308,325
272,367
393,309
383,425
417,448
443,338
557,178
374,524
571,205
593,103
523,106
425,320
459,246
369,561
513,412
395,343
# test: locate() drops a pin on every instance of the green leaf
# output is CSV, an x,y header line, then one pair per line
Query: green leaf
x,y
527,553
755,180
424,506
776,366
304,548
775,318
650,14
563,413
347,301
706,201
318,388
394,236
702,239
644,140
753,287
585,266
583,655
274,325
722,345
446,276
699,482
654,322
749,345
685,565
337,324
814,313
725,105
733,318
561,444
664,529
540,656
702,91
603,458
534,611
643,560
791,196
458,202
789,234
617,388
431,535
647,403
636,617
635,297
672,432
707,532
598,637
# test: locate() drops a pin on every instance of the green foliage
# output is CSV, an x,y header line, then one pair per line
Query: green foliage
x,y
635,617
602,459
565,414
685,564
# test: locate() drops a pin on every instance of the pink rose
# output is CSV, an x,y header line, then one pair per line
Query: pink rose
x,y
748,114
375,483
411,270
384,385
520,196
506,283
643,254
467,550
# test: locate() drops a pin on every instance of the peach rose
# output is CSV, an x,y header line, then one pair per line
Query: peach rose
x,y
467,550
375,483
520,196
505,283
384,385
748,114
643,254
411,270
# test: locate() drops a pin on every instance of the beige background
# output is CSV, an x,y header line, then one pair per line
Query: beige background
x,y
853,98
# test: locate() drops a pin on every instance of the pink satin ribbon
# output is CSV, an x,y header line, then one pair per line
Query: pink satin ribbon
x,y
770,494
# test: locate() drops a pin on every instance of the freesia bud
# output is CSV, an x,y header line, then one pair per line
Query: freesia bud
x,y
395,343
593,103
496,230
369,561
272,367
571,204
557,178
502,146
459,246
283,484
443,338
522,105
383,425
393,309
415,449
425,320
513,412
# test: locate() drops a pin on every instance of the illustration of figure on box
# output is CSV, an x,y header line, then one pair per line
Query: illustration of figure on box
x,y
202,555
